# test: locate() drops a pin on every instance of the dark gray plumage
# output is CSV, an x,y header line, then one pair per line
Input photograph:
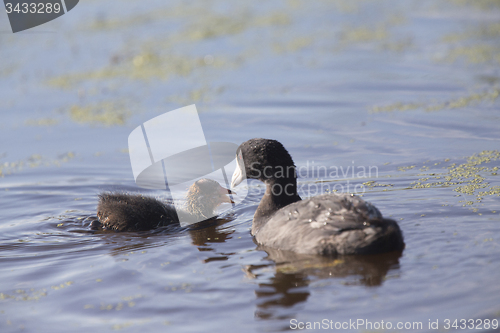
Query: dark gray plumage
x,y
135,212
327,224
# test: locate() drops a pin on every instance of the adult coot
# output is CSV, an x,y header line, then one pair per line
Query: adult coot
x,y
327,224
135,212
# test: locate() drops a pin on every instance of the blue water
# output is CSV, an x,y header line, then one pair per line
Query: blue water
x,y
407,88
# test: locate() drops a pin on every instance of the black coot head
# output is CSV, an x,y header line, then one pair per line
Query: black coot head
x,y
263,159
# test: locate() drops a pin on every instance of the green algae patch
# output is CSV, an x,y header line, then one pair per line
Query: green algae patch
x,y
154,59
62,285
180,12
406,168
213,26
455,103
68,80
127,301
398,106
204,94
105,113
122,326
373,183
486,31
148,65
24,295
475,44
41,122
364,34
379,35
480,4
209,24
34,161
399,45
32,294
293,45
474,54
144,65
467,178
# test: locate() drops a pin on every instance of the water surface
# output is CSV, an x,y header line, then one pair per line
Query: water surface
x,y
407,90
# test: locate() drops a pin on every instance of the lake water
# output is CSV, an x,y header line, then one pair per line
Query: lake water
x,y
407,90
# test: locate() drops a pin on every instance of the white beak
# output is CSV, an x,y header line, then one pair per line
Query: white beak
x,y
238,175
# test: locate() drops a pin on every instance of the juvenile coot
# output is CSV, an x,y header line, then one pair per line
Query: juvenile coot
x,y
327,224
135,212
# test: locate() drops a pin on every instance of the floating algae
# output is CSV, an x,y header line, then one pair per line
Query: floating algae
x,y
477,44
32,294
456,103
406,168
486,31
41,122
378,34
480,4
152,61
143,66
373,183
105,113
293,45
474,54
33,161
204,94
467,178
364,34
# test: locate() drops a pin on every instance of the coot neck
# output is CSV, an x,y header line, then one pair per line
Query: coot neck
x,y
279,193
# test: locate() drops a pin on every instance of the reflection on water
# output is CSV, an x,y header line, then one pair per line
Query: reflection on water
x,y
282,291
368,270
293,273
204,233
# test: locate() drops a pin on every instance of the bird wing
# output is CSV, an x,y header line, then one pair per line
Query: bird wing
x,y
326,224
